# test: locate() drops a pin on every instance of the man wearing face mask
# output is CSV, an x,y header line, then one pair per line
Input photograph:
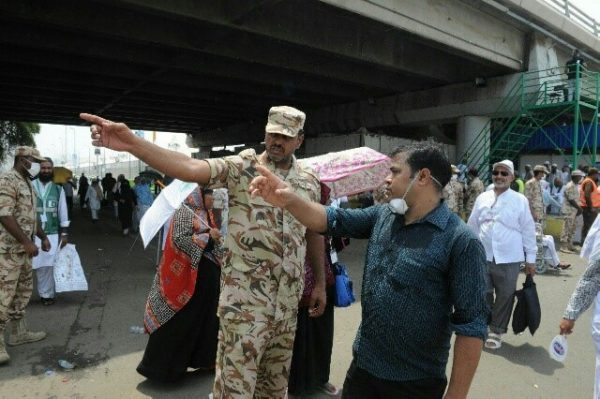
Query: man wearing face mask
x,y
423,279
53,214
17,226
502,220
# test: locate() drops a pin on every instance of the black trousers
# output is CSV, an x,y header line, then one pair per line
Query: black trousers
x,y
360,384
82,192
312,349
588,219
69,206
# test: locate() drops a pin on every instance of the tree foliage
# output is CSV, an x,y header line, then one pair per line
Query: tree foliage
x,y
13,134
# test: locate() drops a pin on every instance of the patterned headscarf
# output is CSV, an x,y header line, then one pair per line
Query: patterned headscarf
x,y
186,244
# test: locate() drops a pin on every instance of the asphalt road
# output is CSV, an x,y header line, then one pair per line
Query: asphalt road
x,y
92,330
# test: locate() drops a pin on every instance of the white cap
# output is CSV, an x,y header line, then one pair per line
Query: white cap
x,y
507,164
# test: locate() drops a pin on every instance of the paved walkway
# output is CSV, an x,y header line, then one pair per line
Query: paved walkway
x,y
92,330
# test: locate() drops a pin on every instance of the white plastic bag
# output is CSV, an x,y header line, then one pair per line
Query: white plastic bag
x,y
558,348
68,273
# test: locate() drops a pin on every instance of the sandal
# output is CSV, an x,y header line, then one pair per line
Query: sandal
x,y
329,389
564,266
494,341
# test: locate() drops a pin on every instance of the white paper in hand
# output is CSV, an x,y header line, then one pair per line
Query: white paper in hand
x,y
163,208
558,348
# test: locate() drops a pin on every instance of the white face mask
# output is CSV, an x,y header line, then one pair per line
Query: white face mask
x,y
399,205
34,169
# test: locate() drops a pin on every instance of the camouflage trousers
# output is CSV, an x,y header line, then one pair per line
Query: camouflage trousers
x,y
16,285
568,232
254,358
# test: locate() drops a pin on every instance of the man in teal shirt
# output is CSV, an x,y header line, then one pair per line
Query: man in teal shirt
x,y
423,280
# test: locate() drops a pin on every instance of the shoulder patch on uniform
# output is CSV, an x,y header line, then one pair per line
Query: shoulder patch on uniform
x,y
249,153
307,170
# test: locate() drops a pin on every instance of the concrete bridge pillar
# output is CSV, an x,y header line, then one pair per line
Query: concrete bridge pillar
x,y
468,130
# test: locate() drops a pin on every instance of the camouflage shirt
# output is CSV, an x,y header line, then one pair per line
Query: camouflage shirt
x,y
263,268
473,190
17,199
533,192
453,195
571,193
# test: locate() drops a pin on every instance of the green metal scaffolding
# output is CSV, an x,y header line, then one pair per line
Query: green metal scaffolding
x,y
539,100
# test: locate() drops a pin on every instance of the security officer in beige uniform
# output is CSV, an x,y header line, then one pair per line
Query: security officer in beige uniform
x,y
263,270
533,192
17,225
570,210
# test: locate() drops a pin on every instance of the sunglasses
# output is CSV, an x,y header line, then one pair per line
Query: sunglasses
x,y
500,172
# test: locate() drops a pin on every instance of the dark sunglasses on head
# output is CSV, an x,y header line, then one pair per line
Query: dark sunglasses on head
x,y
500,172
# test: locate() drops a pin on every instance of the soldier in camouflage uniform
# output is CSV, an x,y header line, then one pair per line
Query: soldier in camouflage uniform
x,y
474,188
533,192
17,225
453,193
262,276
570,209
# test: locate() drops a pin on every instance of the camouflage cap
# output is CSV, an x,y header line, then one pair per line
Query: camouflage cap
x,y
24,151
540,168
285,120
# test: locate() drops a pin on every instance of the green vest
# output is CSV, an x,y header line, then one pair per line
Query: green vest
x,y
52,197
521,185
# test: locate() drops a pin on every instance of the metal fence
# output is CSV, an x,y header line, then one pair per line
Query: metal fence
x,y
574,13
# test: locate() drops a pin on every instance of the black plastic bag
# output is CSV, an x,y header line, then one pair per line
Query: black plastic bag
x,y
519,317
527,313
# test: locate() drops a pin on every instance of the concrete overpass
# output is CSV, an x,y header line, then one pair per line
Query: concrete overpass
x,y
212,68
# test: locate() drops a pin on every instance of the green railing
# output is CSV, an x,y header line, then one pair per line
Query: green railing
x,y
537,99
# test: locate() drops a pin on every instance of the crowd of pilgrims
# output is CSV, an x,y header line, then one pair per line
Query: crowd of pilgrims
x,y
183,330
465,186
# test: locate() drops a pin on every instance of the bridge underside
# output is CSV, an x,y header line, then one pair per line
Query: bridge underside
x,y
198,66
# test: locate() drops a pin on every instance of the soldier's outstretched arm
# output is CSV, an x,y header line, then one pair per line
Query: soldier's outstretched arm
x,y
118,137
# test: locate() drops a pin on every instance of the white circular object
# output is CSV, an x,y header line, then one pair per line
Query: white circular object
x,y
558,348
